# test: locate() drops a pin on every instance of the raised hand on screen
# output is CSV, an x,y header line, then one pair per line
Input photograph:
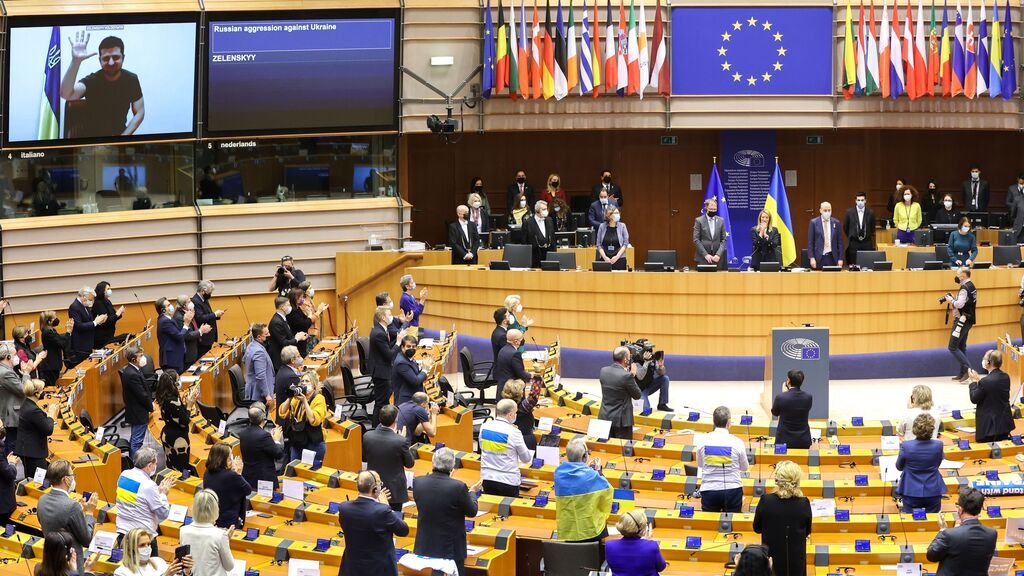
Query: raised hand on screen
x,y
80,46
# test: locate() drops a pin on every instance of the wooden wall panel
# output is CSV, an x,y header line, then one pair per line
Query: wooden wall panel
x,y
655,178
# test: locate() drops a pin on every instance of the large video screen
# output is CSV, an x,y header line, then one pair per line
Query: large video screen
x,y
328,72
100,78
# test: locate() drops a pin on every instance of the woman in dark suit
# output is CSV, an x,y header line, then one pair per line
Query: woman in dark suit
x,y
766,240
478,212
23,341
921,483
175,411
34,428
783,519
223,476
612,239
562,217
55,345
993,418
298,320
102,305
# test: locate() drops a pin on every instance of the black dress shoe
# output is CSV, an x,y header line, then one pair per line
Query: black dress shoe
x,y
960,377
665,408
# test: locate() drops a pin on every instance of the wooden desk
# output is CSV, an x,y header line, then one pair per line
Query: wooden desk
x,y
584,257
720,313
95,384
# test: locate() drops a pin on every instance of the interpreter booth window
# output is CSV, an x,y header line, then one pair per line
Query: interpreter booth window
x,y
293,169
96,179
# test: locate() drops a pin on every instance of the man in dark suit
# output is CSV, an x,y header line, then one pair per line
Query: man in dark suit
x,y
618,386
709,237
194,331
859,225
288,374
443,504
260,449
993,419
792,408
514,189
508,364
370,527
595,215
83,332
171,335
606,184
463,238
500,333
1015,205
281,334
386,452
138,400
965,549
975,191
539,232
824,240
406,376
57,511
379,359
205,314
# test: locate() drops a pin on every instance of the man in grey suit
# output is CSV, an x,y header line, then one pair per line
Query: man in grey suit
x,y
618,386
709,236
11,394
57,511
967,548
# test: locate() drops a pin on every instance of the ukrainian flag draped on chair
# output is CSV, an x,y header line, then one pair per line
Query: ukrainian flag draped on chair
x,y
777,204
584,501
49,103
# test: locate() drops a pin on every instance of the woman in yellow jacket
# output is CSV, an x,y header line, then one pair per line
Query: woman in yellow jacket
x,y
303,416
907,216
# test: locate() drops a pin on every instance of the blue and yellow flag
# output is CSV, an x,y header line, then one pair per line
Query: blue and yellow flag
x,y
493,441
716,191
777,204
584,501
127,490
717,455
49,104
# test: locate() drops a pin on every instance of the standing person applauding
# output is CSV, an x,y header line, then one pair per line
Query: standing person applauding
x,y
766,240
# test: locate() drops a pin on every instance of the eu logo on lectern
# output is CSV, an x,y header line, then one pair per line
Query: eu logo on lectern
x,y
727,51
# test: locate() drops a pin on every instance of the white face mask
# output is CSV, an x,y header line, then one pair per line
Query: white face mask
x,y
519,308
522,203
110,293
948,204
604,201
389,319
476,205
142,362
965,229
170,308
15,360
616,217
543,213
71,487
191,307
144,554
826,215
88,303
287,309
860,203
558,208
975,175
907,197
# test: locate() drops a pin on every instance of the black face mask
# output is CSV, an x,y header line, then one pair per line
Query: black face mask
x,y
712,213
956,279
478,189
555,183
409,353
521,180
607,179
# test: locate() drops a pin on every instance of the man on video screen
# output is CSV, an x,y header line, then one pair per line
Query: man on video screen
x,y
110,91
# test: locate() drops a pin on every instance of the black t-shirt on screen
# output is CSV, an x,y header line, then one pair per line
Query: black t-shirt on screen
x,y
110,100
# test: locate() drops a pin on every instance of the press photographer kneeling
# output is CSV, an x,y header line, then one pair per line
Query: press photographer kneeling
x,y
649,373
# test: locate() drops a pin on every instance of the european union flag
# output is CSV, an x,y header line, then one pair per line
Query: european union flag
x,y
725,51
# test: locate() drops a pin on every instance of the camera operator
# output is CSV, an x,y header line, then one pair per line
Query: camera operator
x,y
650,376
286,277
963,319
303,416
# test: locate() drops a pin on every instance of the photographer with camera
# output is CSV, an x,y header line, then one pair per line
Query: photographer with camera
x,y
286,277
303,416
649,367
963,319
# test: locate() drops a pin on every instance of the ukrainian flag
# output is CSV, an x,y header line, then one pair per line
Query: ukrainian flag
x,y
777,204
584,501
493,441
127,490
717,455
49,103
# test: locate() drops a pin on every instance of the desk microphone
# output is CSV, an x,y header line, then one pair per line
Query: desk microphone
x,y
242,304
706,413
142,308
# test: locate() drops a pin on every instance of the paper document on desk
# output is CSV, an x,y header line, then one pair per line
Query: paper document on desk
x,y
890,443
103,542
823,508
908,569
1000,566
966,429
238,569
950,465
177,513
418,563
537,355
300,567
189,379
1014,533
887,464
293,489
598,428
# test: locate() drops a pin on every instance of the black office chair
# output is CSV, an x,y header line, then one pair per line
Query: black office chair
x,y
518,255
571,558
357,390
1006,255
664,257
213,414
1007,238
110,437
238,387
942,252
464,398
916,259
566,260
865,258
476,378
363,351
805,260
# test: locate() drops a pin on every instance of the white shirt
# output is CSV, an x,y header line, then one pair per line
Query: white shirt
x,y
155,567
711,226
905,428
860,217
501,450
465,230
722,476
540,224
211,551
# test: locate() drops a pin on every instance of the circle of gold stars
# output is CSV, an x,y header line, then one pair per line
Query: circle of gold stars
x,y
723,51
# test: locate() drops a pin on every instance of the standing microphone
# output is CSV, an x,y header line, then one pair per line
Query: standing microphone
x,y
142,308
242,304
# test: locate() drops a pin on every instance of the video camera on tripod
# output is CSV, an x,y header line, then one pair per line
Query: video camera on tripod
x,y
638,348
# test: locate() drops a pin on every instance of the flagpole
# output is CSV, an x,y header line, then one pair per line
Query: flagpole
x,y
776,160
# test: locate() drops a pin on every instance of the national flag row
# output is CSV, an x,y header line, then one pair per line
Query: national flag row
x,y
550,60
950,60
